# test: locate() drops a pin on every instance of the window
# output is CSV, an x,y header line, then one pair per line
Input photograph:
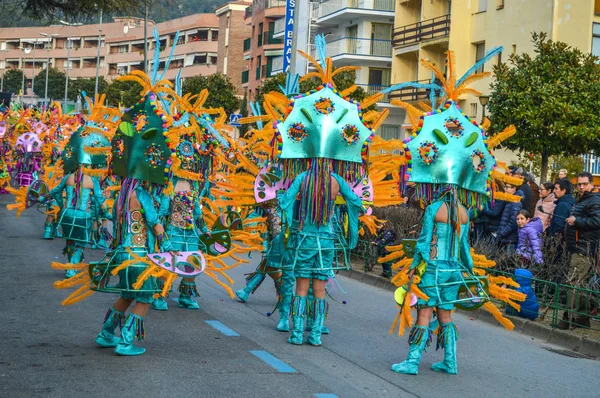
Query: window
x,y
482,6
596,39
499,4
479,54
388,131
473,111
215,35
514,49
122,49
596,6
499,58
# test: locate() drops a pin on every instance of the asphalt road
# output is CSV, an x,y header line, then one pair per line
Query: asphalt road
x,y
47,350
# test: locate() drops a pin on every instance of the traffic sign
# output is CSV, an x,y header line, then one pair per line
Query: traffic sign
x,y
234,119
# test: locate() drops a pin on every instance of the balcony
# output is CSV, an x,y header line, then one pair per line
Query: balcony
x,y
341,11
279,28
352,49
245,76
410,94
434,28
247,44
277,65
371,89
248,13
268,39
275,8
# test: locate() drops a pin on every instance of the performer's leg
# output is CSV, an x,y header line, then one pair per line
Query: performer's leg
x,y
132,328
318,311
160,303
446,339
188,293
48,228
287,292
114,318
418,340
253,281
74,252
299,310
309,306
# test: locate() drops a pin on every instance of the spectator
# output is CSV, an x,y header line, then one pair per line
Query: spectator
x,y
508,234
528,202
547,204
562,174
530,238
564,203
494,216
530,307
385,237
583,236
535,188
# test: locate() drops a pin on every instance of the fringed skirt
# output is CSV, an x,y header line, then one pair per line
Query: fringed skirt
x,y
316,255
102,279
76,225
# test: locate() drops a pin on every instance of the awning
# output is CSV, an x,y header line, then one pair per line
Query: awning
x,y
189,60
137,42
273,53
190,32
121,64
177,57
38,39
133,63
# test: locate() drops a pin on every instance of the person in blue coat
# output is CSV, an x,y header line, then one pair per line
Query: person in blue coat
x,y
530,307
564,204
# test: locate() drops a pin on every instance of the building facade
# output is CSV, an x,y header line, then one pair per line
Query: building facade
x,y
121,47
261,47
233,31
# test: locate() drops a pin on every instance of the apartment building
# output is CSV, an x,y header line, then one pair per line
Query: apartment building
x,y
425,29
261,46
358,33
121,47
234,31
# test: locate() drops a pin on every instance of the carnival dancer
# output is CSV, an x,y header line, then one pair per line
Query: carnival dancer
x,y
82,188
451,165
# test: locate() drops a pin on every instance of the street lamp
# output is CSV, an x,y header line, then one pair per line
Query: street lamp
x,y
483,100
50,37
26,51
68,55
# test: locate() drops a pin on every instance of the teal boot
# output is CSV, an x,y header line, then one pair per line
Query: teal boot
x,y
160,304
253,281
309,317
48,231
75,256
187,290
447,336
419,339
298,312
318,311
55,232
286,292
133,327
107,337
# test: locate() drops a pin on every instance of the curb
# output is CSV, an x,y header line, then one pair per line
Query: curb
x,y
536,330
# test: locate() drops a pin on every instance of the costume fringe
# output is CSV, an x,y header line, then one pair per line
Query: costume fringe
x,y
507,197
118,317
442,334
492,309
298,306
188,289
496,175
418,334
138,324
496,140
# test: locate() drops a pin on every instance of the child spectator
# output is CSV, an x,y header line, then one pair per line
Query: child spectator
x,y
530,307
530,238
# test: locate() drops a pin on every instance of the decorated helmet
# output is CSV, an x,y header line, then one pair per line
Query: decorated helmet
x,y
80,150
28,143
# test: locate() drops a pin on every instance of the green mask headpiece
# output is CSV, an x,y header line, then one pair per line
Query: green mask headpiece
x,y
77,151
139,147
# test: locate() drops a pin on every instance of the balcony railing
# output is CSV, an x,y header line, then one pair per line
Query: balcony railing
x,y
328,7
357,46
371,89
424,30
275,3
268,39
279,26
245,76
247,44
411,94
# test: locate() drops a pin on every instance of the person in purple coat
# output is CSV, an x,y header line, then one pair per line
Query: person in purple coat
x,y
530,238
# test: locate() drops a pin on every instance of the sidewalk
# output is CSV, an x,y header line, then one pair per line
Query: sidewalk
x,y
581,341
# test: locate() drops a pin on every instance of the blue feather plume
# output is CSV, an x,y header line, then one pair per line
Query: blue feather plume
x,y
321,46
493,52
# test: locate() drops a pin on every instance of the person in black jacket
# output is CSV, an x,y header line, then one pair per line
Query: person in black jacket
x,y
508,231
564,203
494,216
583,237
527,202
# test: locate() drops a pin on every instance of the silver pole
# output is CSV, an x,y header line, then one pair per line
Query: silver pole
x,y
33,72
68,65
47,67
98,57
22,86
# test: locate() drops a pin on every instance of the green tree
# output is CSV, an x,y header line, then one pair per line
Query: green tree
x,y
76,87
126,93
222,91
45,9
551,98
13,81
56,84
342,81
574,164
